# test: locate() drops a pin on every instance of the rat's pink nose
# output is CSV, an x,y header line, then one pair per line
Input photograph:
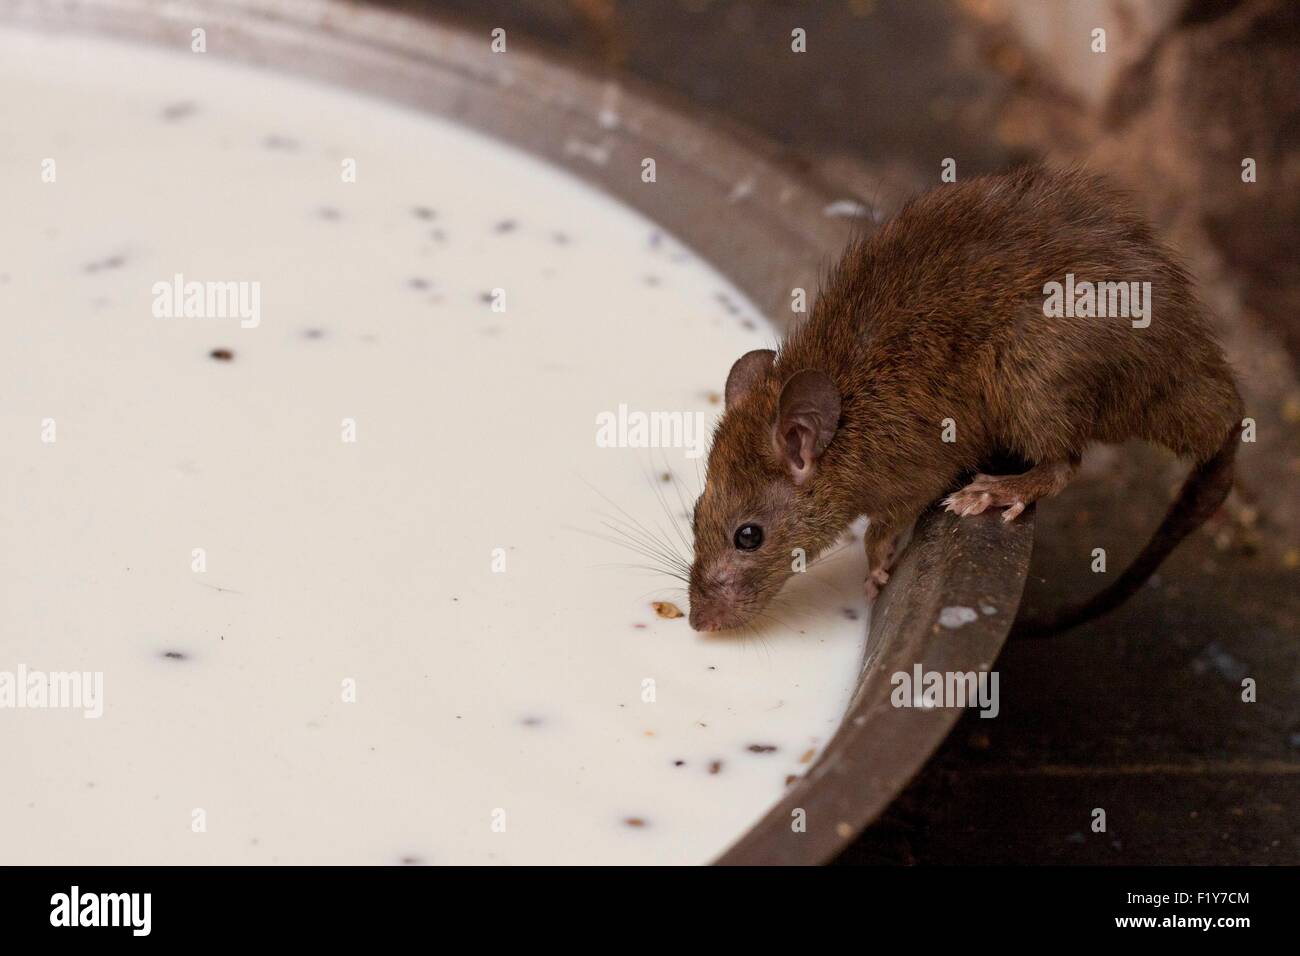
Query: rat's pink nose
x,y
711,617
701,620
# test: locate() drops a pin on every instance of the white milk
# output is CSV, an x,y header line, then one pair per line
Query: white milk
x,y
343,674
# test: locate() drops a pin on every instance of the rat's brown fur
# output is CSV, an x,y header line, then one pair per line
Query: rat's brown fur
x,y
940,316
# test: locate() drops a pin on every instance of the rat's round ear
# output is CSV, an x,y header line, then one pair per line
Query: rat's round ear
x,y
746,373
809,414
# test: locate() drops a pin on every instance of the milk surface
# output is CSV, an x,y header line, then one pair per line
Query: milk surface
x,y
339,555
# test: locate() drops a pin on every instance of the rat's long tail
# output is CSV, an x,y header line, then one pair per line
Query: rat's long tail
x,y
1202,493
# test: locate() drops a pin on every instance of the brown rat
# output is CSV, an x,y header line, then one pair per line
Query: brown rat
x,y
932,349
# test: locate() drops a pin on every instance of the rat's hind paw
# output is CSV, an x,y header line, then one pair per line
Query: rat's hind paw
x,y
967,502
990,491
876,580
1013,492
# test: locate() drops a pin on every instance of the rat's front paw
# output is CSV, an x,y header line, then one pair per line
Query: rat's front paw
x,y
876,580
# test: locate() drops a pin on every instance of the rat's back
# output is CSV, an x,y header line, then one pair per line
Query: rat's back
x,y
1043,296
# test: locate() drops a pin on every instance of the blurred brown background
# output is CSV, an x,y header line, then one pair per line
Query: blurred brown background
x,y
1141,713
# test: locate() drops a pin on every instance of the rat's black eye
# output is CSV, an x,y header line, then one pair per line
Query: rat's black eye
x,y
748,537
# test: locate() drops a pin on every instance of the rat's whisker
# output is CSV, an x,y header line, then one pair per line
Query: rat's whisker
x,y
684,517
644,538
663,501
666,563
766,614
646,567
628,516
687,510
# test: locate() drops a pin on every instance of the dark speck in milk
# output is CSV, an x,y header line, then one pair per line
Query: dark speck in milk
x,y
174,112
634,822
175,656
531,721
313,333
560,238
761,748
505,225
280,143
715,767
329,214
102,265
418,284
424,212
222,355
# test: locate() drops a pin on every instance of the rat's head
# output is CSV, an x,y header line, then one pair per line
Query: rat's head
x,y
761,499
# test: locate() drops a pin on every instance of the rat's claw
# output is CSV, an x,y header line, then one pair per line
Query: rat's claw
x,y
1013,511
968,502
876,580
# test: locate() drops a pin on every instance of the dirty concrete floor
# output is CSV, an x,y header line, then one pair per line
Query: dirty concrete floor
x,y
1139,714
